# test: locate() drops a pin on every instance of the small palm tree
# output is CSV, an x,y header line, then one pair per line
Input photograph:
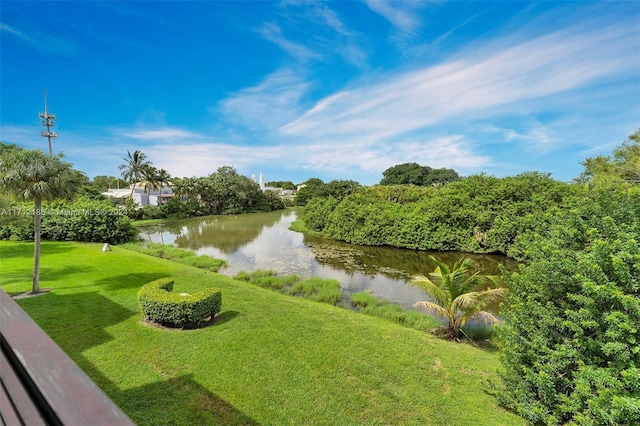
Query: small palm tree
x,y
454,296
34,175
133,170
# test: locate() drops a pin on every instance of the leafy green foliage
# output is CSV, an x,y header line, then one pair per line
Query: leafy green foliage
x,y
622,167
222,192
82,219
163,307
480,214
86,220
317,212
314,187
571,338
103,183
415,174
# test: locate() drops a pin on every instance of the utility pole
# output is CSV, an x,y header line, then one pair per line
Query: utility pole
x,y
47,121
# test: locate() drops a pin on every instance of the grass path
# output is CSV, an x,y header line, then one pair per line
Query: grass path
x,y
268,359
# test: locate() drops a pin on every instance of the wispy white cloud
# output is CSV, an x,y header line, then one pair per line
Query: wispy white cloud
x,y
47,43
156,135
268,105
473,85
402,15
272,32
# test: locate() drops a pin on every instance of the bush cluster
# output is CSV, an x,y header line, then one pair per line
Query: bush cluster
x,y
162,306
571,337
83,219
479,214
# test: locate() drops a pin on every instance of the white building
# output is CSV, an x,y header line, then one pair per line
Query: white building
x,y
142,197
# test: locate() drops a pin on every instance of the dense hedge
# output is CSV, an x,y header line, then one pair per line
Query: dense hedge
x,y
480,214
169,309
80,220
571,337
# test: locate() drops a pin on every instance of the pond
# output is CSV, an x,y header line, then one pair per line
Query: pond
x,y
263,241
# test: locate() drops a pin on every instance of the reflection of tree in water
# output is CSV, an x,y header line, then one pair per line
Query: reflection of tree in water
x,y
394,262
226,233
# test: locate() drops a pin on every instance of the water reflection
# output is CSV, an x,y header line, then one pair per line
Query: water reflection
x,y
263,241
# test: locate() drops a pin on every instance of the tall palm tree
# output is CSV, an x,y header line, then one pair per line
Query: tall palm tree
x,y
134,167
34,175
454,296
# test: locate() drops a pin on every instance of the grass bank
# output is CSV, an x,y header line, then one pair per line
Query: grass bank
x,y
268,359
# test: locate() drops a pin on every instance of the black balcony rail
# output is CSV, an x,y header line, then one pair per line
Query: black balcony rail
x,y
40,384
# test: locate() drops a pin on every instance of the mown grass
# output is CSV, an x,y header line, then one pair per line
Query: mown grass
x,y
268,358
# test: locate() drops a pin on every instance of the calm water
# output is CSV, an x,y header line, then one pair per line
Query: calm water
x,y
263,241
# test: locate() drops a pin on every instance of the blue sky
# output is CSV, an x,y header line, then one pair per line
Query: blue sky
x,y
335,90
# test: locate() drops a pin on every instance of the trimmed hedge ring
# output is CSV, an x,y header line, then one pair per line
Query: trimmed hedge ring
x,y
169,309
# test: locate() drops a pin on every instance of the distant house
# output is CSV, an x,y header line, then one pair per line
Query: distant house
x,y
142,197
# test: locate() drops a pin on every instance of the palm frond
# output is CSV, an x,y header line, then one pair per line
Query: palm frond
x,y
432,308
482,317
478,300
431,288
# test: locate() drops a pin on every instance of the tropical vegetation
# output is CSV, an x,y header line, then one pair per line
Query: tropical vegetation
x,y
33,175
571,338
415,174
477,214
458,295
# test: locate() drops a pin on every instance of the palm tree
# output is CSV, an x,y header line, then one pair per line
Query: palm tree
x,y
162,177
150,175
134,168
34,175
454,296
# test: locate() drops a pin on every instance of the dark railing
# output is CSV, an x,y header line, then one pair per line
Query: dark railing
x,y
40,384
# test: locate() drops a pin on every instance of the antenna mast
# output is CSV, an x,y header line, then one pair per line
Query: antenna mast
x,y
47,121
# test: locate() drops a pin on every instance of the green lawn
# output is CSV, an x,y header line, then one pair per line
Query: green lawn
x,y
268,359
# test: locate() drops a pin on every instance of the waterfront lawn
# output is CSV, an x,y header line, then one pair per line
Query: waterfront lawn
x,y
268,359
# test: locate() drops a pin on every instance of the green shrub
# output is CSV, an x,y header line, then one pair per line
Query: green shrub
x,y
169,309
82,219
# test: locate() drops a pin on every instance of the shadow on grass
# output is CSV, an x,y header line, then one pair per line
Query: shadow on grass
x,y
76,322
24,277
179,400
25,248
174,401
128,281
225,317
